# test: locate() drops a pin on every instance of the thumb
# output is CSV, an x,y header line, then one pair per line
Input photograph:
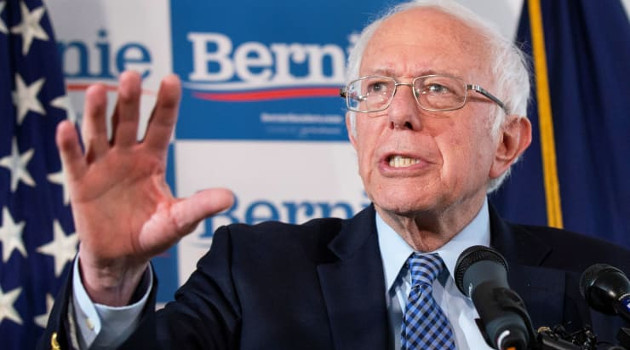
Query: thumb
x,y
190,211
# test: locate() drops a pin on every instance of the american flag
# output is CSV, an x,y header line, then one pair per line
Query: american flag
x,y
36,228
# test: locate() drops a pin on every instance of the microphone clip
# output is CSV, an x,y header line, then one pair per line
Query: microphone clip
x,y
557,338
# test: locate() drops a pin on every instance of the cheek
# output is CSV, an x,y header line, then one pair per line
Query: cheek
x,y
366,141
363,152
464,153
452,144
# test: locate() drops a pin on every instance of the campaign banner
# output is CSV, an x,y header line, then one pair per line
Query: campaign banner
x,y
264,71
291,182
261,112
109,37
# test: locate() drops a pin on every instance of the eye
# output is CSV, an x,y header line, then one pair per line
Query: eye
x,y
377,87
440,86
435,88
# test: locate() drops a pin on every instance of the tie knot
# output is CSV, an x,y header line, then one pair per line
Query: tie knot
x,y
424,268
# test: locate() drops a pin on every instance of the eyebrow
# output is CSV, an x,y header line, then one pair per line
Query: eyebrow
x,y
390,73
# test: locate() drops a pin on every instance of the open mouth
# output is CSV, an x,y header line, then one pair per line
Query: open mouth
x,y
399,161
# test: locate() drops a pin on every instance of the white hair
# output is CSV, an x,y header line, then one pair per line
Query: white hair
x,y
508,64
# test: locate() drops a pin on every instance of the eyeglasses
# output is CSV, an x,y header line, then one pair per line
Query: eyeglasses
x,y
432,92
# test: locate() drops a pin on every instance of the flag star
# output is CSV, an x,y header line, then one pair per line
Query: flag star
x,y
7,310
11,235
42,320
62,248
30,28
63,102
59,178
17,164
3,27
25,98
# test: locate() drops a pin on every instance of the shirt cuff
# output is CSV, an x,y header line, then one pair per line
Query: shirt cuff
x,y
102,326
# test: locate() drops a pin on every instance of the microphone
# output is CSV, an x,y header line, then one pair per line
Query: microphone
x,y
481,274
606,289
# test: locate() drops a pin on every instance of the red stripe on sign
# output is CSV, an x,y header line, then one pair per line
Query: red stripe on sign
x,y
267,95
81,87
108,87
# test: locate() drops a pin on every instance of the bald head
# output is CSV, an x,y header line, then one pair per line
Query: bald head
x,y
436,39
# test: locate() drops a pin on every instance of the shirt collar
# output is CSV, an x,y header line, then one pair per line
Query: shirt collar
x,y
395,250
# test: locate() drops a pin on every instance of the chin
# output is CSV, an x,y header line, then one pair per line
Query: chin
x,y
402,206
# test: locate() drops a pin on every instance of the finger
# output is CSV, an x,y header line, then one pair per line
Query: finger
x,y
127,113
190,211
164,115
70,150
94,128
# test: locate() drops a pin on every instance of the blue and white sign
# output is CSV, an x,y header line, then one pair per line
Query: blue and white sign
x,y
261,112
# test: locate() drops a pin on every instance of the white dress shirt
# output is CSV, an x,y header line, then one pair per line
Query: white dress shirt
x,y
105,327
101,326
458,308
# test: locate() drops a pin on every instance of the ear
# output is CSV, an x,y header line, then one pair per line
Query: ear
x,y
515,136
349,128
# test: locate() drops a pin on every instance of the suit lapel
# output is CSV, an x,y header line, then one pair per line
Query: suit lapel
x,y
353,286
542,289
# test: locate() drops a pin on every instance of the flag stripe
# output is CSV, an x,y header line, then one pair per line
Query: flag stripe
x,y
548,147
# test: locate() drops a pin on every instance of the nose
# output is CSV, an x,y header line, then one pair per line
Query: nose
x,y
403,112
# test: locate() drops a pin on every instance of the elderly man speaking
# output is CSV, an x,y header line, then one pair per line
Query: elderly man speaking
x,y
436,105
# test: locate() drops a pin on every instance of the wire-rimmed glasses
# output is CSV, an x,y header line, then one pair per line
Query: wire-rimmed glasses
x,y
374,93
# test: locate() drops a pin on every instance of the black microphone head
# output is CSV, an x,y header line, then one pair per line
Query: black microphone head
x,y
481,274
603,286
472,255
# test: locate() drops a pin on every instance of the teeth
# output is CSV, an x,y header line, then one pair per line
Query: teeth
x,y
402,162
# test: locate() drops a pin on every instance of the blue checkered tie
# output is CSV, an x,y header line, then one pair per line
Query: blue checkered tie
x,y
424,325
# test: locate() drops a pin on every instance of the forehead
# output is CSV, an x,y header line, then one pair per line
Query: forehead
x,y
422,41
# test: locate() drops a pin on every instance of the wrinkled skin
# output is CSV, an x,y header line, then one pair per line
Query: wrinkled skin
x,y
123,209
454,152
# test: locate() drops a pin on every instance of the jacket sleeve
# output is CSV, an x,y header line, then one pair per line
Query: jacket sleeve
x,y
62,331
205,313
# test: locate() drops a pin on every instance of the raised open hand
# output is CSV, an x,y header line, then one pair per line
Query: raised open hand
x,y
123,209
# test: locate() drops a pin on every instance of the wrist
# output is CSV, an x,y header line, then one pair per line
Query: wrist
x,y
111,284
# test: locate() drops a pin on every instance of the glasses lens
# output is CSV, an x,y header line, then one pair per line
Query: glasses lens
x,y
353,95
370,94
440,93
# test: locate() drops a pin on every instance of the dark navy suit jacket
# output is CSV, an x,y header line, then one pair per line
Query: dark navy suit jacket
x,y
321,285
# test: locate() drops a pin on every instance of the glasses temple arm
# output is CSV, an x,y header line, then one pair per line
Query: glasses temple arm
x,y
484,92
